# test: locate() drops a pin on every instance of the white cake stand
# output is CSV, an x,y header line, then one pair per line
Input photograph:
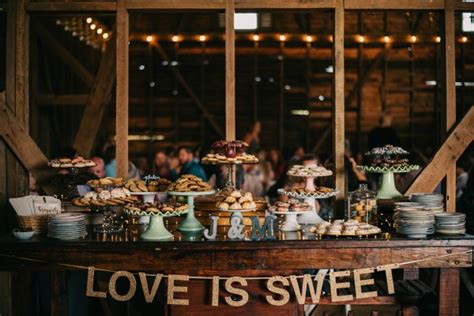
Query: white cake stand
x,y
148,197
190,223
291,223
309,217
156,229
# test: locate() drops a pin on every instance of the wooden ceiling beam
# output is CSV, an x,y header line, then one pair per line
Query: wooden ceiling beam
x,y
453,147
56,48
24,147
393,5
189,90
99,98
69,7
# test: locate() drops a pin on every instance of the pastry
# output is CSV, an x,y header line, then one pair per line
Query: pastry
x,y
309,171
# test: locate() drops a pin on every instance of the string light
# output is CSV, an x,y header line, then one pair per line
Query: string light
x,y
92,26
99,31
282,37
256,37
149,38
308,38
89,20
202,38
361,38
331,38
413,38
386,39
464,39
175,38
438,39
105,35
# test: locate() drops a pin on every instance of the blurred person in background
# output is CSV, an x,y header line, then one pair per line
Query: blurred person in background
x,y
188,165
99,169
384,133
161,166
111,165
276,162
252,137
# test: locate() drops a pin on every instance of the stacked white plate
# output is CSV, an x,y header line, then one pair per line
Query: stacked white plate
x,y
450,223
413,221
433,202
67,226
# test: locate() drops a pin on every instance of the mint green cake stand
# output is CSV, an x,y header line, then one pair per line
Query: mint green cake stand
x,y
190,223
387,189
156,229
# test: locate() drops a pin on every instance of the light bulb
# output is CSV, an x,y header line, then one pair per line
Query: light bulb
x,y
92,26
438,39
89,20
175,38
256,37
308,38
386,39
202,38
149,38
413,38
99,31
282,37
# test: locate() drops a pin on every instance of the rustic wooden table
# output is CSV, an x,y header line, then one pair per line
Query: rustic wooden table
x,y
288,253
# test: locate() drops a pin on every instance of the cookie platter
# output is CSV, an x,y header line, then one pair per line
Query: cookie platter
x,y
69,163
302,193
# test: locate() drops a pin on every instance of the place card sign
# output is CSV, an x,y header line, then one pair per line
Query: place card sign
x,y
280,288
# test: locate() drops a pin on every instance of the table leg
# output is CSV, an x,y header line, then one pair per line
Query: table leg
x,y
449,292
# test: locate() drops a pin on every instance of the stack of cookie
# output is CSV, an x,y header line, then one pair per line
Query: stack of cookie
x,y
105,182
387,156
316,191
158,185
78,162
309,171
237,201
242,158
292,205
114,197
189,183
340,227
166,208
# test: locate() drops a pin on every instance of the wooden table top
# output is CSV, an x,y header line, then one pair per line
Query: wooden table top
x,y
298,250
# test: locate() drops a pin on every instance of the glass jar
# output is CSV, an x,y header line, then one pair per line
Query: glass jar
x,y
362,205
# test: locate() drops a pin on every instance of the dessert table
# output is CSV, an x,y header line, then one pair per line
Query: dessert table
x,y
192,254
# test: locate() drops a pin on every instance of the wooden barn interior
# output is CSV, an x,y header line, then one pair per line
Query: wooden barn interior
x,y
79,75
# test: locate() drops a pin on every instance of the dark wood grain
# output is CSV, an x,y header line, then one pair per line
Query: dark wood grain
x,y
449,292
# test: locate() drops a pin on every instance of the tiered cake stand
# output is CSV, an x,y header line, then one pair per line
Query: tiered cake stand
x,y
156,229
230,166
387,189
190,223
309,217
148,197
291,223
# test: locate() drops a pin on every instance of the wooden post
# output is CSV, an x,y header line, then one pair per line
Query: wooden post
x,y
121,99
229,71
449,292
450,97
338,117
97,102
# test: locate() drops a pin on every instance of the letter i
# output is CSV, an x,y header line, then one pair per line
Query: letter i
x,y
215,291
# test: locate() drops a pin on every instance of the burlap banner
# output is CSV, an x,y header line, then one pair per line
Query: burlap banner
x,y
280,288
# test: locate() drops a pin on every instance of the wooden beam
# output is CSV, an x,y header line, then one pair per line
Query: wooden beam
x,y
70,7
121,98
338,116
56,48
449,283
97,102
450,96
23,145
61,99
453,147
221,4
189,90
229,71
394,5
